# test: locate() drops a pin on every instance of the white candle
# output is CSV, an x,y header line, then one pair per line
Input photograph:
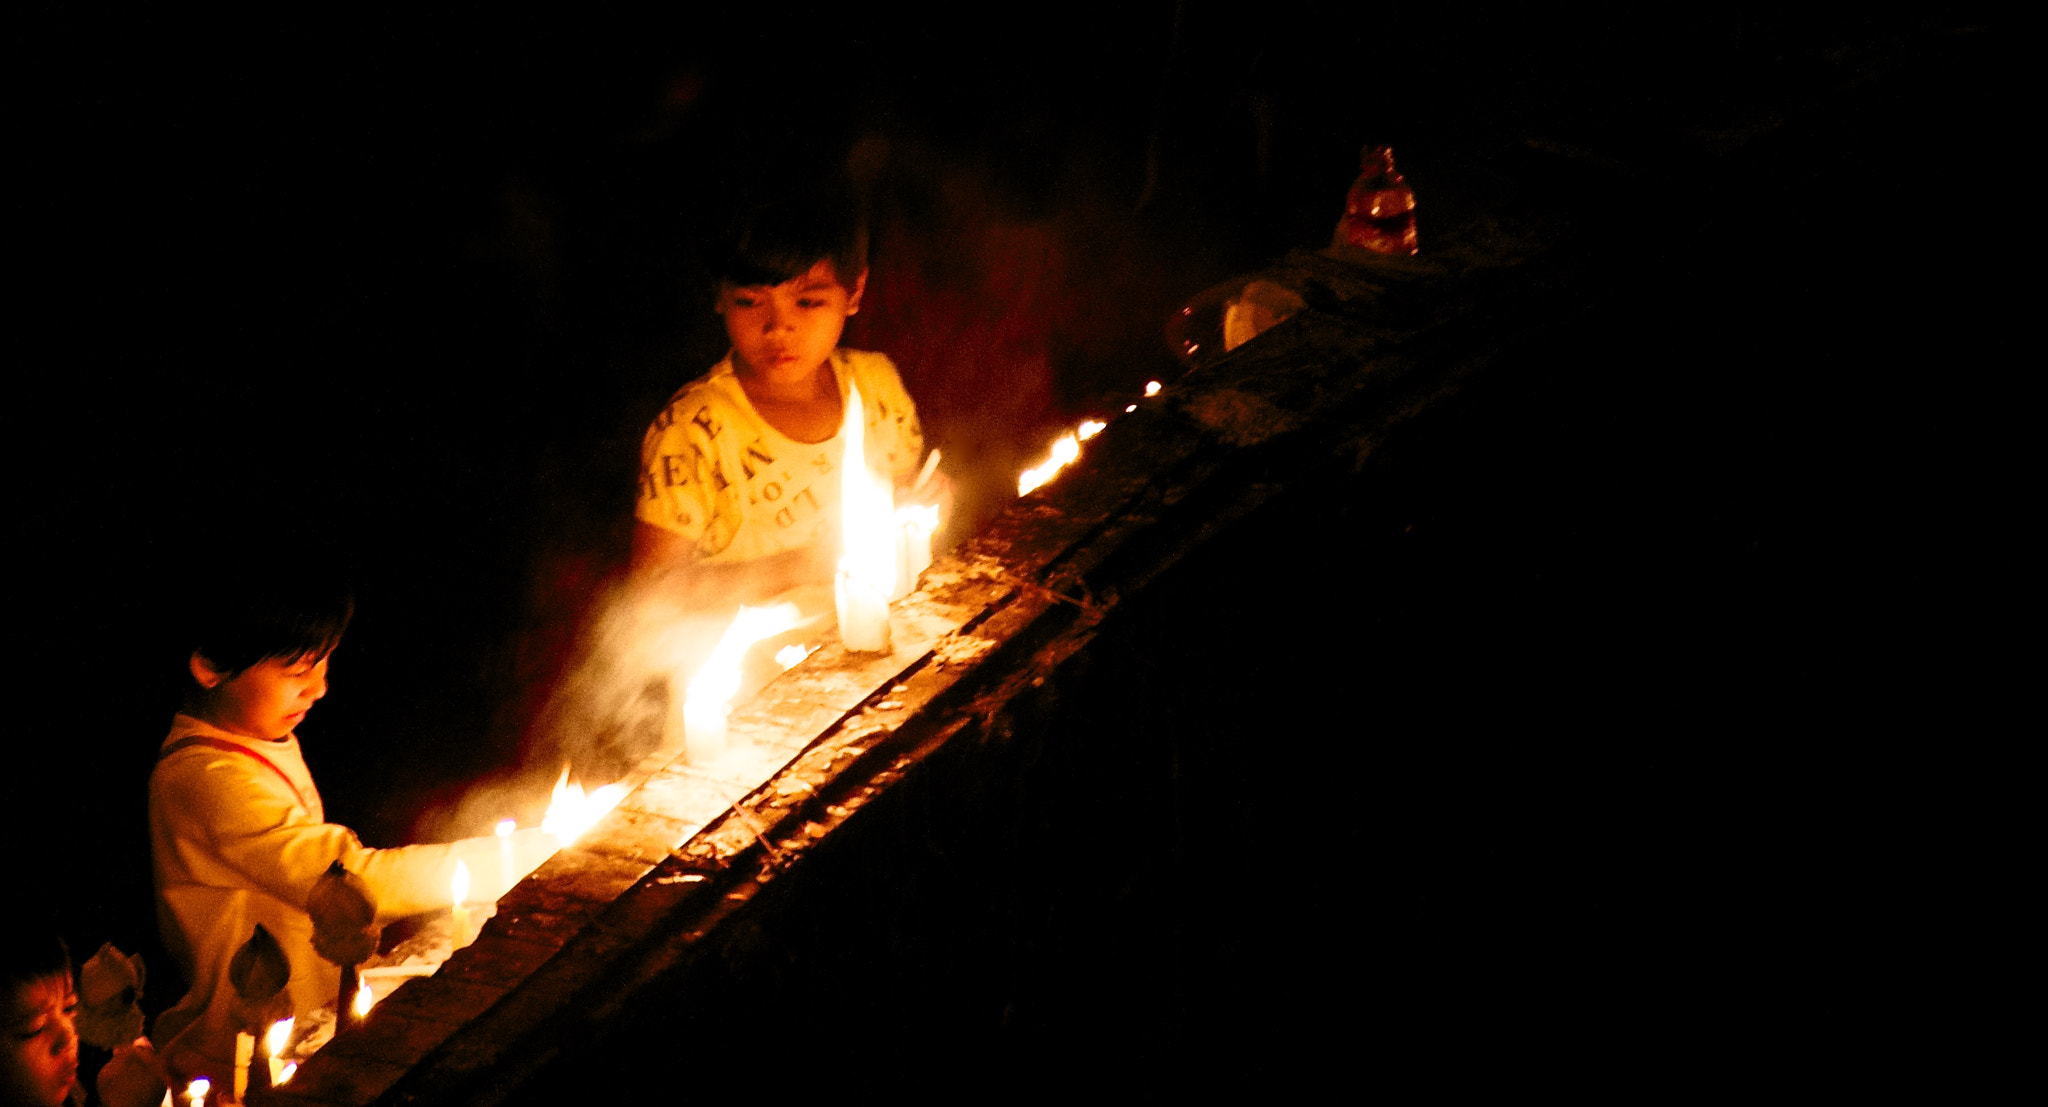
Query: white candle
x,y
915,524
245,1052
459,888
863,614
506,877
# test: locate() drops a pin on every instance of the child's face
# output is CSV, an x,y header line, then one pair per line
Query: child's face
x,y
267,699
786,331
41,1056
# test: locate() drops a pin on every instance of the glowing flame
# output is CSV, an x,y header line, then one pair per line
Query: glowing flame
x,y
571,812
710,693
869,562
1065,450
197,1089
789,655
274,1041
1089,429
1151,388
506,827
365,999
459,887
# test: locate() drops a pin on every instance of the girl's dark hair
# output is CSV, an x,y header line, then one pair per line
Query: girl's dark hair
x,y
287,607
781,240
31,950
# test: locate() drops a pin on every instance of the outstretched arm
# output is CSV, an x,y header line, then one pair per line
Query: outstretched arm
x,y
665,565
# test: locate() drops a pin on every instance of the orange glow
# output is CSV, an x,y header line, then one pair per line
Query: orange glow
x,y
571,812
365,999
1064,450
274,1041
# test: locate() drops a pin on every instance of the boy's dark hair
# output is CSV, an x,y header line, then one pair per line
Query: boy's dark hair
x,y
782,239
287,606
31,950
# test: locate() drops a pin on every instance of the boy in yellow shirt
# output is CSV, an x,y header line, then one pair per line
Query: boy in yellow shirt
x,y
740,473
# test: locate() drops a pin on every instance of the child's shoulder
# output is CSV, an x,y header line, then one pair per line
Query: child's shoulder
x,y
865,366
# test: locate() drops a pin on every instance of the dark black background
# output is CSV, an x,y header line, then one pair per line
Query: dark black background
x,y
408,283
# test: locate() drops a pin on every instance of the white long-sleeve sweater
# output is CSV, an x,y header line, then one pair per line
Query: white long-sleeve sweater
x,y
234,843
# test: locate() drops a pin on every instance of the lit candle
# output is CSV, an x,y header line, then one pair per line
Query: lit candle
x,y
459,887
506,877
863,614
868,562
365,999
916,523
245,1052
273,1044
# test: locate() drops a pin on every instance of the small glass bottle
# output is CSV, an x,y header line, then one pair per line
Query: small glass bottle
x,y
1379,212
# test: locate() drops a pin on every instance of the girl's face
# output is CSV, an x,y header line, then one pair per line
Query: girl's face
x,y
267,699
40,1058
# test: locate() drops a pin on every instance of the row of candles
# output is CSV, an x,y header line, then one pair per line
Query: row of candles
x,y
569,814
886,548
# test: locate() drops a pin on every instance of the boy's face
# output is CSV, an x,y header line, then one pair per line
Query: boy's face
x,y
265,700
786,331
40,1058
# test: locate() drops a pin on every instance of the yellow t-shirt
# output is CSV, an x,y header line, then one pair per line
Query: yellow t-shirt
x,y
713,471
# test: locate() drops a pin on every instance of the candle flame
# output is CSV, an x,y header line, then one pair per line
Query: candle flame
x,y
719,678
571,812
1151,388
788,656
1064,450
279,1036
459,887
365,999
290,1067
506,827
197,1089
867,510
